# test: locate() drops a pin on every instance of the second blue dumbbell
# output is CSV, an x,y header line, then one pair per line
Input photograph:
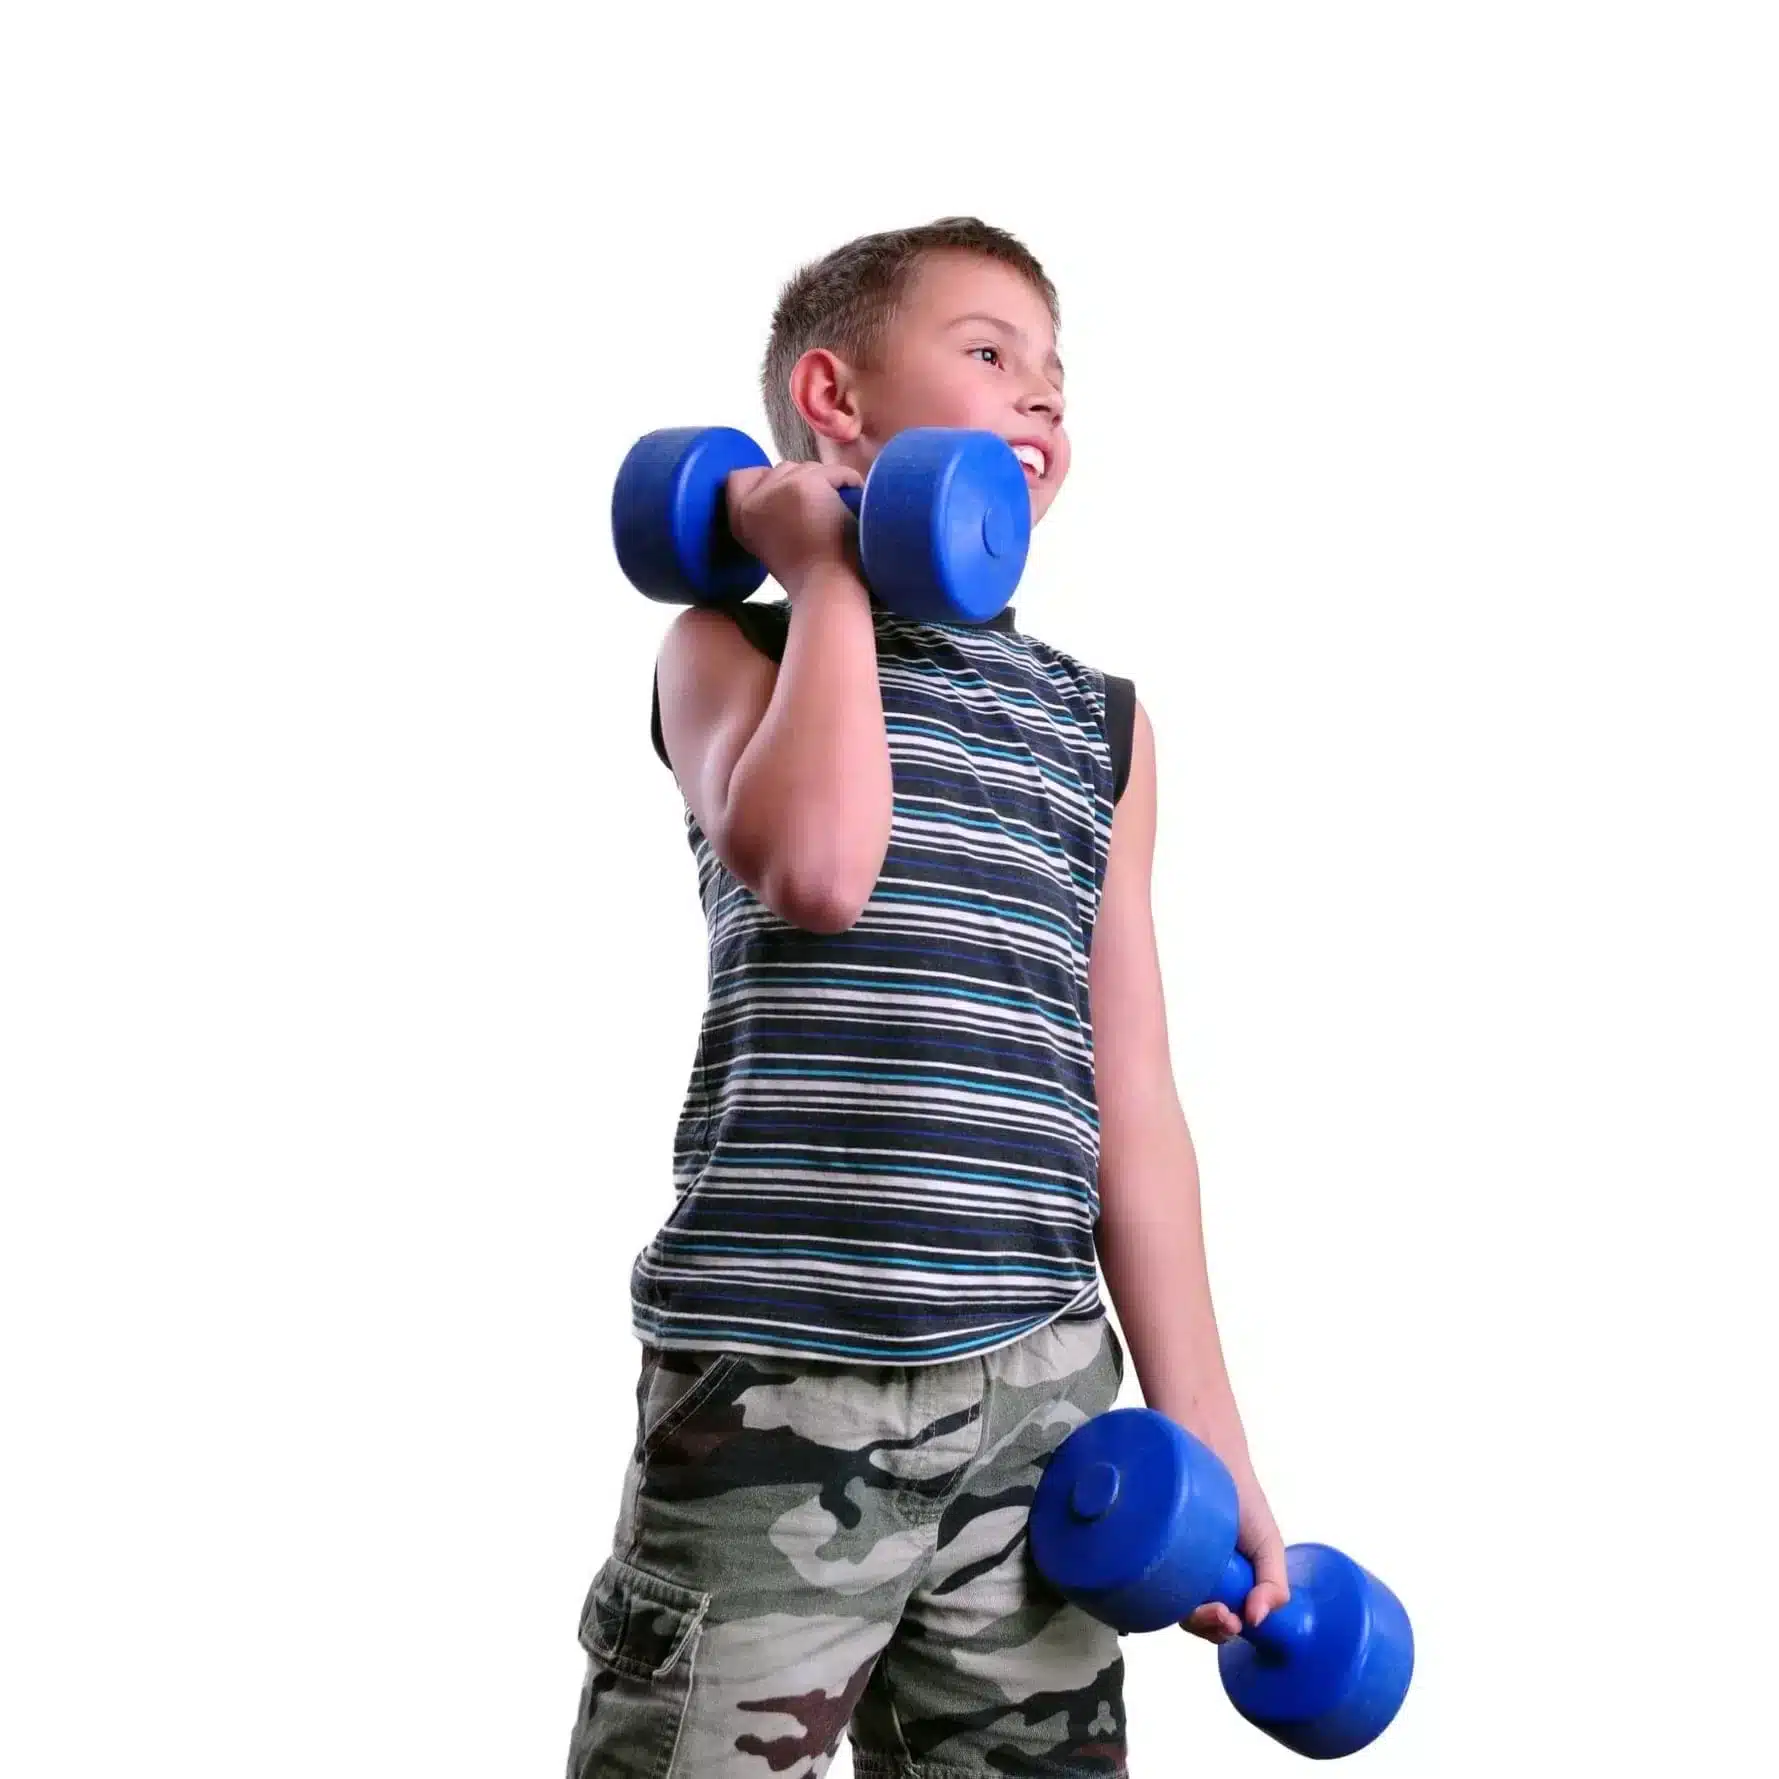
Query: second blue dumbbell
x,y
944,521
1135,1521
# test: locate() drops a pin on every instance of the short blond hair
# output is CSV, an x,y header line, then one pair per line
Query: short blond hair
x,y
845,301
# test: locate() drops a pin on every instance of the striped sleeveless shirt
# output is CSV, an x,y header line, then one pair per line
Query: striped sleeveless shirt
x,y
888,1151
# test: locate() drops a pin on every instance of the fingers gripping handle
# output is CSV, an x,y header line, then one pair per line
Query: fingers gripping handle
x,y
1284,1630
854,498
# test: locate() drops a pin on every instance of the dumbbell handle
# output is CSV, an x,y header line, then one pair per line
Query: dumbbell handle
x,y
1284,1630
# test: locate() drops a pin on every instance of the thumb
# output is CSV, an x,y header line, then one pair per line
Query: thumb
x,y
842,475
1271,1588
739,483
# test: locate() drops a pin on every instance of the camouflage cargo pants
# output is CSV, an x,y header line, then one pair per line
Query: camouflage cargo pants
x,y
805,1546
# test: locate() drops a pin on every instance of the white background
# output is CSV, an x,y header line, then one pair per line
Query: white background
x,y
1422,364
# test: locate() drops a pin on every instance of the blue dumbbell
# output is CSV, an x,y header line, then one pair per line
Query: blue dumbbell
x,y
945,521
1135,1521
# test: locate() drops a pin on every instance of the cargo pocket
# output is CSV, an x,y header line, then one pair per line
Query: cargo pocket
x,y
640,1634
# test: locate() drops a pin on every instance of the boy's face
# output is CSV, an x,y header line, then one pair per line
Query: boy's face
x,y
973,347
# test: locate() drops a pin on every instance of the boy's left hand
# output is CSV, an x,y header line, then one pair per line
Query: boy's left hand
x,y
1257,1538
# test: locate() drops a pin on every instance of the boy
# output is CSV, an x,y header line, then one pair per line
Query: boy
x,y
932,1094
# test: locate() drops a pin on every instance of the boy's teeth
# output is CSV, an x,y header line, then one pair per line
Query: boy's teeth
x,y
1031,457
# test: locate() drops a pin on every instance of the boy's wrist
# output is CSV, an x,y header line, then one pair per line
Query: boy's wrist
x,y
825,582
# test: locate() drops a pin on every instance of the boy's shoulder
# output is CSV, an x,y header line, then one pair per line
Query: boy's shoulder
x,y
1113,695
1066,661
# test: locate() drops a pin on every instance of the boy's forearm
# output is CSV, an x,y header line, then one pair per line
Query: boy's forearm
x,y
1151,1248
810,795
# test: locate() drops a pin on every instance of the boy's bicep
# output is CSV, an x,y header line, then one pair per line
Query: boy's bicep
x,y
712,687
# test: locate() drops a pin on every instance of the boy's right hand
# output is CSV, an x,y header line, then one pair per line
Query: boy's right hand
x,y
792,519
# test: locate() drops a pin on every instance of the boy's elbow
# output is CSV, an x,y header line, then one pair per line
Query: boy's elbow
x,y
822,888
820,904
813,860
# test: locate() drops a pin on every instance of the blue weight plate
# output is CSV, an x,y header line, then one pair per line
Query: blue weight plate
x,y
946,525
1134,1519
670,520
1343,1683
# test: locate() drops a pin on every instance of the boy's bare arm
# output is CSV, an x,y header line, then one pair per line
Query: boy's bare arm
x,y
1150,1235
786,767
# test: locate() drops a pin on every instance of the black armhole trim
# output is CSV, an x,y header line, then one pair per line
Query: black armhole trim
x,y
1121,720
765,626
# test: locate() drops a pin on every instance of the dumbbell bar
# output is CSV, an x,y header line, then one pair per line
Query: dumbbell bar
x,y
944,521
1135,1521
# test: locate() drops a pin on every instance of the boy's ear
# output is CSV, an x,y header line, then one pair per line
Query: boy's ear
x,y
823,387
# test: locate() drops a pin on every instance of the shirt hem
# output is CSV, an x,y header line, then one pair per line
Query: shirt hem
x,y
1086,1307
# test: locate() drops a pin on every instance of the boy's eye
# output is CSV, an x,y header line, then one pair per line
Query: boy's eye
x,y
994,353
